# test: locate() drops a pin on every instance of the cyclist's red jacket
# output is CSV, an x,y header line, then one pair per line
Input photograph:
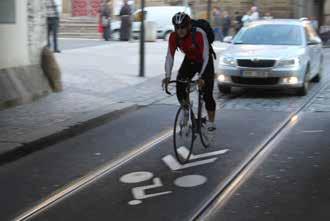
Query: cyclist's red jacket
x,y
196,53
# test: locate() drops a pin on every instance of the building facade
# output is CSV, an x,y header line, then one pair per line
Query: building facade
x,y
278,8
22,37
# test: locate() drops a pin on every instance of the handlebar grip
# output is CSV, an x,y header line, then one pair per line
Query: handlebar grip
x,y
167,92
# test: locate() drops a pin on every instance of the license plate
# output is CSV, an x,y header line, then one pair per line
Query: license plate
x,y
256,74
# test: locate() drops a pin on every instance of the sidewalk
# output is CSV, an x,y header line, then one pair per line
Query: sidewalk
x,y
98,85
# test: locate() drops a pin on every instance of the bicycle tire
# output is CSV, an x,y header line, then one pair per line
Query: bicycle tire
x,y
183,159
202,125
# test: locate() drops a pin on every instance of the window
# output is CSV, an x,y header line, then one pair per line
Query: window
x,y
270,34
7,12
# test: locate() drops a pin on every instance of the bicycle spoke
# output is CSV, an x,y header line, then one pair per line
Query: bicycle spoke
x,y
183,134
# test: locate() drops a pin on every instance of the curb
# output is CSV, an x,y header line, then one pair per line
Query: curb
x,y
17,151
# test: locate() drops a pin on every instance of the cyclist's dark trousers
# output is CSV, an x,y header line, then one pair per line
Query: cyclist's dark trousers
x,y
187,71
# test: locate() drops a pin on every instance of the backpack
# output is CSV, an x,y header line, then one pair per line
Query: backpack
x,y
205,26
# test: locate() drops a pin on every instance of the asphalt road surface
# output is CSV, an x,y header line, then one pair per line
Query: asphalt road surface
x,y
270,162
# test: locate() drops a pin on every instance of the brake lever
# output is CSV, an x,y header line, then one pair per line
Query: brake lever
x,y
166,90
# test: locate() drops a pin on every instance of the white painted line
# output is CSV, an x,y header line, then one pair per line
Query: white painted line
x,y
190,181
139,192
220,49
91,177
313,131
173,164
136,177
184,152
82,39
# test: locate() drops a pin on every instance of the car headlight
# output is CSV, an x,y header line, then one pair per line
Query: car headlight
x,y
294,62
225,60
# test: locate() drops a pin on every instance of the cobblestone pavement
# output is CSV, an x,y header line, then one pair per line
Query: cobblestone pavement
x,y
101,69
322,101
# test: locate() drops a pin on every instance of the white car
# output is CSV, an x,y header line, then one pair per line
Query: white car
x,y
272,54
161,15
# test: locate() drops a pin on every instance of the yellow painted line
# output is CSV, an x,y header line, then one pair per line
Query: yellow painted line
x,y
91,177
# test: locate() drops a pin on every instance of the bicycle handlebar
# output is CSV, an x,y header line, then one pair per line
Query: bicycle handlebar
x,y
180,81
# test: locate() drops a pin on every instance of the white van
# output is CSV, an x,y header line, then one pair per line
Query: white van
x,y
161,15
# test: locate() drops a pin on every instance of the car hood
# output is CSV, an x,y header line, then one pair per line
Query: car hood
x,y
264,51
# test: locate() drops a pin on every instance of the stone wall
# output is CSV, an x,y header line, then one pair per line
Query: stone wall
x,y
21,75
37,27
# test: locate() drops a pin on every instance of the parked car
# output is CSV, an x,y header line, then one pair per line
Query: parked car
x,y
278,53
161,15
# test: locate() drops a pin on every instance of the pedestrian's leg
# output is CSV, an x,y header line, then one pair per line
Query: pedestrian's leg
x,y
55,29
110,32
210,104
221,34
181,88
48,34
215,34
107,34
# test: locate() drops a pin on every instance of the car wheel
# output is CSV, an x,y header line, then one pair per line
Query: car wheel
x,y
224,89
318,77
303,90
115,35
167,36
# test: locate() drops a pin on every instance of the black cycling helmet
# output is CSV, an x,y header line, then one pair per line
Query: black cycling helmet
x,y
181,19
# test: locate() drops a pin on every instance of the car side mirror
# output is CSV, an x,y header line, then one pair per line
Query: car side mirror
x,y
228,39
315,41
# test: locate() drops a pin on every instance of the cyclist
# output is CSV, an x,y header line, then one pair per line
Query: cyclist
x,y
198,59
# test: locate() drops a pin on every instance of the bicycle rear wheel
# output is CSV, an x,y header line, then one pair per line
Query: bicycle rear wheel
x,y
183,135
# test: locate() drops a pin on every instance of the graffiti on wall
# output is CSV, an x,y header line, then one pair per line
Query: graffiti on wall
x,y
85,7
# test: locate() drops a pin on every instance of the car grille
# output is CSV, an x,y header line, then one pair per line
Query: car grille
x,y
255,81
255,63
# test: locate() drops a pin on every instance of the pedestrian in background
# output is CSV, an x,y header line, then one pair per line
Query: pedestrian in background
x,y
53,19
268,16
226,25
126,22
238,22
315,23
246,19
254,14
106,13
218,23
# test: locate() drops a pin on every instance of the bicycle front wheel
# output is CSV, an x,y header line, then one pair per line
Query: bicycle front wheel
x,y
183,135
202,125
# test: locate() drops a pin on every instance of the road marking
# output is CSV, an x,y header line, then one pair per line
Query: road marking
x,y
190,181
184,152
173,164
91,177
136,177
139,192
313,131
134,202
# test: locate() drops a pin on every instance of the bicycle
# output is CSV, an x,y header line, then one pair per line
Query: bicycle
x,y
186,125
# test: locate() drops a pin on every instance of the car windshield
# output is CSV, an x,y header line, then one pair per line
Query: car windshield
x,y
270,34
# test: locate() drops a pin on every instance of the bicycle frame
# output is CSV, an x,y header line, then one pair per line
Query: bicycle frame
x,y
195,120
